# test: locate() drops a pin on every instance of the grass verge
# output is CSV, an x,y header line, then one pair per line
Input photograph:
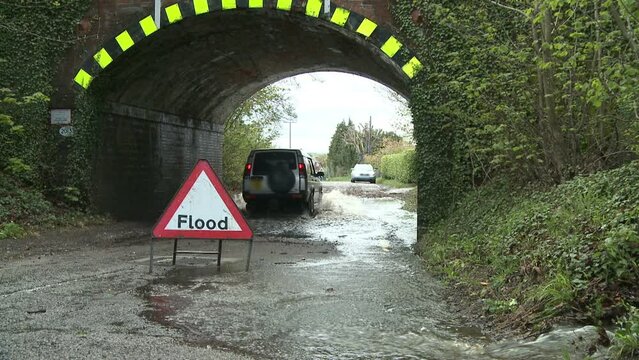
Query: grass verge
x,y
339,178
410,200
393,183
537,257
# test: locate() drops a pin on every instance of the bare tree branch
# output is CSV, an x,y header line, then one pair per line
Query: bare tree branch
x,y
509,8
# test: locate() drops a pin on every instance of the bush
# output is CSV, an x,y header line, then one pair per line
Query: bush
x,y
400,166
21,204
626,344
567,251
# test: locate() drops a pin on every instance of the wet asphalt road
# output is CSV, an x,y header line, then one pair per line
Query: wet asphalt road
x,y
341,285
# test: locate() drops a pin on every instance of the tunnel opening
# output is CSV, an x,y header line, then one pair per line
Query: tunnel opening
x,y
339,120
167,94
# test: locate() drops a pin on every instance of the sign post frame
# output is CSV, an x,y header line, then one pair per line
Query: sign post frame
x,y
151,255
248,257
209,197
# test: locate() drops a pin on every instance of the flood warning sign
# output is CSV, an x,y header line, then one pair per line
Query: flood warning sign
x,y
202,209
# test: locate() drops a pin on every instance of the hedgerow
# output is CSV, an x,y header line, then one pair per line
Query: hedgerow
x,y
400,166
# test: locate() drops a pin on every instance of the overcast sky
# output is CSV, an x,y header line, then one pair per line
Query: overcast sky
x,y
322,100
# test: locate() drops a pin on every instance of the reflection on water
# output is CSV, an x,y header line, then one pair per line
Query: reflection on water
x,y
372,300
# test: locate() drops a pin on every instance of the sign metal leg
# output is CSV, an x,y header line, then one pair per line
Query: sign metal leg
x,y
175,250
151,256
219,254
248,258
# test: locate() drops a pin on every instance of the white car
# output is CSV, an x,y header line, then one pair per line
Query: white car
x,y
363,172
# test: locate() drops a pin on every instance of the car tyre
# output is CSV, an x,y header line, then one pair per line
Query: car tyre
x,y
310,206
251,207
254,207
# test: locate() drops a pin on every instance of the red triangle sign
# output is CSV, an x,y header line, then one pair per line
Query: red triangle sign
x,y
202,209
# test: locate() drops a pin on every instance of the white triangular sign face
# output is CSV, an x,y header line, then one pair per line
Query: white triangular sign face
x,y
202,209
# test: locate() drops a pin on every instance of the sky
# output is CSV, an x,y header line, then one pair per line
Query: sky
x,y
321,100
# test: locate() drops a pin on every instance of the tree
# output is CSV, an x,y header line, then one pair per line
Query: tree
x,y
402,121
389,146
321,160
341,155
366,140
255,124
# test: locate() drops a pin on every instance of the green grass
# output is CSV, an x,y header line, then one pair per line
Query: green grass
x,y
626,344
567,252
11,230
393,183
410,200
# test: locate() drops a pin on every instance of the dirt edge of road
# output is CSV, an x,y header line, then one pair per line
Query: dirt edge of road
x,y
60,241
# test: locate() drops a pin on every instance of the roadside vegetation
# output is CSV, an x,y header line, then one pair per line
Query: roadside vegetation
x,y
36,190
526,123
352,144
538,256
410,200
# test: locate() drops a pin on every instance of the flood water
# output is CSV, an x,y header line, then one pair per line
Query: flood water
x,y
373,298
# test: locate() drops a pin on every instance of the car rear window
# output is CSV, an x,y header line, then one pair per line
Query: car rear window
x,y
263,162
361,167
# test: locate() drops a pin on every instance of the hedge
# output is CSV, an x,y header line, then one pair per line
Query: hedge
x,y
400,166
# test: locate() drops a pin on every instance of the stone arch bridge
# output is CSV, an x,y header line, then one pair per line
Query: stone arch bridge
x,y
169,85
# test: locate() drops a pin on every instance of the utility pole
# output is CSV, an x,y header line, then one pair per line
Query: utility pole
x,y
289,121
370,130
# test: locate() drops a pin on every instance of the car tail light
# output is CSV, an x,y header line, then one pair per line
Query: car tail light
x,y
247,169
302,169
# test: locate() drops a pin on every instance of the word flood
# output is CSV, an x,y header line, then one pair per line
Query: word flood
x,y
200,224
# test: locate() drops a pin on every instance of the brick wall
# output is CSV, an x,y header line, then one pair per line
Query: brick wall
x,y
144,156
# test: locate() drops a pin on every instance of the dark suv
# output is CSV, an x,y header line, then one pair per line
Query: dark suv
x,y
282,175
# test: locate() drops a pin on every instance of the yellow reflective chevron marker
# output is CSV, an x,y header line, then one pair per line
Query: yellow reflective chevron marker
x,y
173,13
391,46
366,28
412,67
313,7
256,4
124,40
200,6
83,78
148,25
340,16
284,5
228,4
103,58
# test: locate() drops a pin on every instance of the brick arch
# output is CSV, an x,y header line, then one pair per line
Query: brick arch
x,y
338,17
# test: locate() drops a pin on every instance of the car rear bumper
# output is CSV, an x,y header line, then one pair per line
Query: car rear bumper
x,y
248,197
363,178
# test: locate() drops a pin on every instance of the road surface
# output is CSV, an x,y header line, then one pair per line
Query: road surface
x,y
342,285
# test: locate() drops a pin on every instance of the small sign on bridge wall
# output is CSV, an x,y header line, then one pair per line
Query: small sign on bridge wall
x,y
60,116
202,209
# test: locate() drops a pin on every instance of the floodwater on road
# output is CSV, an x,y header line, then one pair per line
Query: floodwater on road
x,y
342,285
373,298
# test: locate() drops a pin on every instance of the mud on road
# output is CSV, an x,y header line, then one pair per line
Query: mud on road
x,y
344,284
